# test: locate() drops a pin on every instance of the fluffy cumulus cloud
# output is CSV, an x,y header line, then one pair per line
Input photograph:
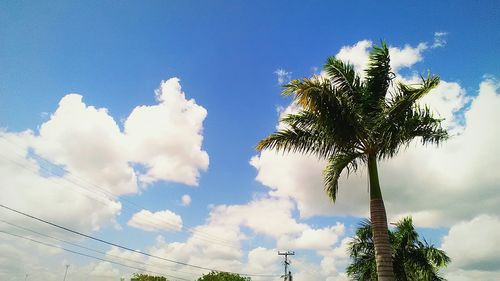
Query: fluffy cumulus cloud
x,y
87,142
260,215
24,181
315,239
80,160
166,138
357,54
471,244
161,220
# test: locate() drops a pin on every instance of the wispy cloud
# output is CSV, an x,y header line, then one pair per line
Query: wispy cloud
x,y
283,75
439,39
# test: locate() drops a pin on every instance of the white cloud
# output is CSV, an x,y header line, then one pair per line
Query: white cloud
x,y
406,57
166,138
23,188
467,275
357,55
260,215
446,100
161,220
472,245
337,258
299,177
87,142
105,270
261,259
312,239
283,76
439,39
185,200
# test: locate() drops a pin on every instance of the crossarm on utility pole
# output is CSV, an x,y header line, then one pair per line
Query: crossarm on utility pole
x,y
288,275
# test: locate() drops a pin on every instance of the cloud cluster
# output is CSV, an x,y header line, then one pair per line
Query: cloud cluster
x,y
220,243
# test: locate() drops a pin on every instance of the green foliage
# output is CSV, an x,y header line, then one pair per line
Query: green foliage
x,y
222,276
344,119
413,259
145,277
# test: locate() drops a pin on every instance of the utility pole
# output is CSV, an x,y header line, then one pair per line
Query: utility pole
x,y
288,274
66,272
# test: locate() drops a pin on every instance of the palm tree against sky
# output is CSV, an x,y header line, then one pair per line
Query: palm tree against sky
x,y
351,121
412,258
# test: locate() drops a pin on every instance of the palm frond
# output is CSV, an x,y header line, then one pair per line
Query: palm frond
x,y
343,77
406,96
412,259
302,140
378,76
334,168
362,252
330,109
416,123
437,256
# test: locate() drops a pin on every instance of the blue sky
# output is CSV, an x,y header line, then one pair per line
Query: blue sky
x,y
226,54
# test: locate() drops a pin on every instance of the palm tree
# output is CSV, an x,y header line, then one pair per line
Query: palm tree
x,y
349,121
412,258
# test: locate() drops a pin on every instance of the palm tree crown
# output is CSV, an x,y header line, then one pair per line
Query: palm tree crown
x,y
412,258
345,119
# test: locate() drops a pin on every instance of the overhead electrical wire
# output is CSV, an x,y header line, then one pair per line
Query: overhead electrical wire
x,y
128,248
93,257
88,248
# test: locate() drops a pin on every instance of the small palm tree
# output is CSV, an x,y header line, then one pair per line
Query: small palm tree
x,y
413,259
350,121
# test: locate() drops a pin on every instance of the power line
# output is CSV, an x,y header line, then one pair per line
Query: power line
x,y
127,248
90,256
105,192
86,248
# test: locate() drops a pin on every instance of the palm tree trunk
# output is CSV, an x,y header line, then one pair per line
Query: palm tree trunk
x,y
383,257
